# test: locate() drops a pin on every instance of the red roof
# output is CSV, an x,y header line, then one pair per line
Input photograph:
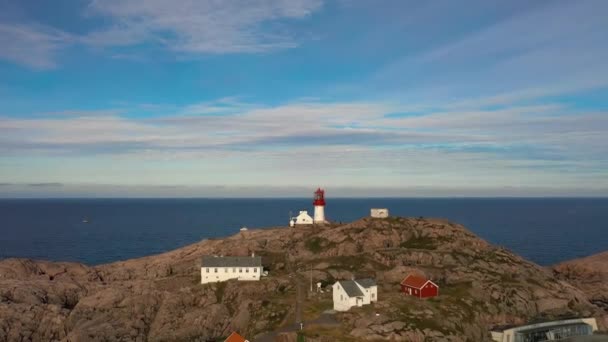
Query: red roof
x,y
414,281
234,337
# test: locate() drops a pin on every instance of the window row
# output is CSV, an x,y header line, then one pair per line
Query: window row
x,y
227,270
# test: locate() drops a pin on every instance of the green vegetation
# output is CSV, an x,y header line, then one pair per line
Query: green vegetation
x,y
315,309
419,242
457,290
337,334
354,263
220,288
318,244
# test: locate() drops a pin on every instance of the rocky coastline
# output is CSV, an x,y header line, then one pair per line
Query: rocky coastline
x,y
160,298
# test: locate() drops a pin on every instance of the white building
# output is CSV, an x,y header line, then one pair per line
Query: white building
x,y
546,331
303,218
379,212
220,268
349,293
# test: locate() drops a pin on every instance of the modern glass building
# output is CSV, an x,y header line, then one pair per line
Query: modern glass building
x,y
546,331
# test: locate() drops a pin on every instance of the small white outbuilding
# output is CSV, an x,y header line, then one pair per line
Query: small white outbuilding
x,y
303,218
349,293
379,212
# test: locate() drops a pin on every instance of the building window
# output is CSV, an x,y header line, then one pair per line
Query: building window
x,y
207,269
234,270
341,297
240,270
216,270
247,270
255,270
373,295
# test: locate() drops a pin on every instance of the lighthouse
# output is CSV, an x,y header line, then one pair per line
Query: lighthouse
x,y
319,203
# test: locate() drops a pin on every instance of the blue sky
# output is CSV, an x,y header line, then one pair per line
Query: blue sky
x,y
259,97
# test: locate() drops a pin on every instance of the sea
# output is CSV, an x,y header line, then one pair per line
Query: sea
x,y
97,231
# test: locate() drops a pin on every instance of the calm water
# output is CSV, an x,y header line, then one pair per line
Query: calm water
x,y
543,230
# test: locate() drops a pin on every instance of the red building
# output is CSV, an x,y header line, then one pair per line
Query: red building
x,y
418,286
234,337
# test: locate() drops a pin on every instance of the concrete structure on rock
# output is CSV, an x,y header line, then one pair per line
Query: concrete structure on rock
x,y
221,268
418,286
546,331
349,293
379,213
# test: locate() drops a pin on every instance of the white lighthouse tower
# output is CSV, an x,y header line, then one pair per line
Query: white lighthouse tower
x,y
319,203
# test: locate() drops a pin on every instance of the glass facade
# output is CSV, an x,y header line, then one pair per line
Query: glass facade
x,y
554,333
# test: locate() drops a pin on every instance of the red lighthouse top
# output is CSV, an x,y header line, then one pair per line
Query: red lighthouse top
x,y
319,197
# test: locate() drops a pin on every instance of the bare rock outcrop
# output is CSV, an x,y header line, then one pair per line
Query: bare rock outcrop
x,y
159,298
589,274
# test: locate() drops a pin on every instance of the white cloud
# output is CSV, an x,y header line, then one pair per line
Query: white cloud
x,y
354,143
31,45
199,26
188,27
550,49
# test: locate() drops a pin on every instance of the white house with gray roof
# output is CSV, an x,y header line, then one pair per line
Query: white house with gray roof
x,y
349,293
223,268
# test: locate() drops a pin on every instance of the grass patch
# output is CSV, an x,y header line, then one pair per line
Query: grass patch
x,y
457,290
220,289
336,334
318,244
354,263
314,310
419,242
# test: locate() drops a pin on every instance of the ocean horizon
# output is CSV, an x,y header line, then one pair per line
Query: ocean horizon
x,y
545,230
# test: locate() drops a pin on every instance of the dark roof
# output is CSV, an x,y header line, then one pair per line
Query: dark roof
x,y
351,288
231,261
366,283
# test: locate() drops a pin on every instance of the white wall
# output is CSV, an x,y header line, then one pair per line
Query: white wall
x,y
379,213
304,218
342,302
369,294
215,274
319,213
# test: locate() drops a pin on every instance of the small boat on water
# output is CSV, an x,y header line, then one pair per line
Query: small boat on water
x,y
244,229
85,220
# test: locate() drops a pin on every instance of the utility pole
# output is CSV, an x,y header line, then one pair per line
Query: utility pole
x,y
310,277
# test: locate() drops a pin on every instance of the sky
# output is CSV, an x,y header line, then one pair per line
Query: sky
x,y
207,98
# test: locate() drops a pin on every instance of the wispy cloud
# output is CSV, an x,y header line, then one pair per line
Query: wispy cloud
x,y
199,26
540,52
184,27
229,125
35,46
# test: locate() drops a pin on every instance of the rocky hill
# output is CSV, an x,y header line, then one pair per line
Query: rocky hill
x,y
159,298
589,274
